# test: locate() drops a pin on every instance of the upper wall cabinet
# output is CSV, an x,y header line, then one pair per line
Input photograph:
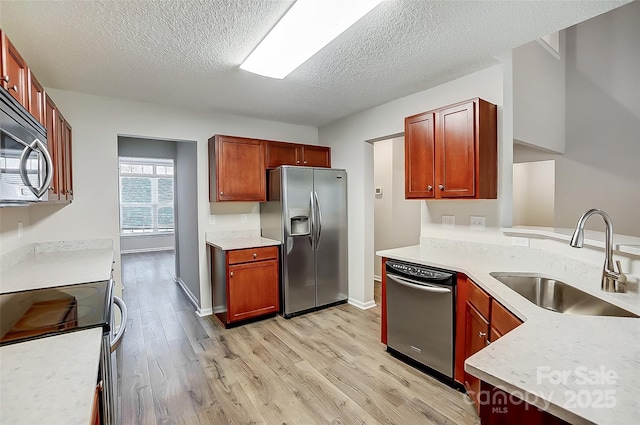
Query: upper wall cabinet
x,y
236,169
451,152
22,84
281,153
14,72
36,98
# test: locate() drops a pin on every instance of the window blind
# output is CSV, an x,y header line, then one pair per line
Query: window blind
x,y
146,196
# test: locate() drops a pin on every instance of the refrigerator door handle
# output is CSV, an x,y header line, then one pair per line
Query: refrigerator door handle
x,y
313,220
319,219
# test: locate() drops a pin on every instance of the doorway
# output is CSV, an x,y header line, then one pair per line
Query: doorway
x,y
158,206
396,220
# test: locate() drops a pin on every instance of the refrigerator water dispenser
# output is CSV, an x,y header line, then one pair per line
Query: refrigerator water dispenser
x,y
300,223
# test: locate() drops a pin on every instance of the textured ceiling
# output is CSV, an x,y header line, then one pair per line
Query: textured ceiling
x,y
187,52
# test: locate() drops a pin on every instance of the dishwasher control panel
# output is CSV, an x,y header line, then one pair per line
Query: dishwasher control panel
x,y
417,271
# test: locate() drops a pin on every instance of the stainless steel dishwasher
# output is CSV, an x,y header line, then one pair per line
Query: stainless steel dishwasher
x,y
421,315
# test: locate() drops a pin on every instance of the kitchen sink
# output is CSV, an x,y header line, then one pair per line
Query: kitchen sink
x,y
554,295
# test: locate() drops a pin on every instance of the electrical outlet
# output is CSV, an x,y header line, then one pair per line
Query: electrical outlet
x,y
243,218
476,222
520,241
448,221
212,219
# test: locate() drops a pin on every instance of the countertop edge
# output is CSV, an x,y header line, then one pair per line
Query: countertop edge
x,y
241,243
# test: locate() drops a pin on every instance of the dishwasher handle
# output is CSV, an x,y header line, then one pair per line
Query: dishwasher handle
x,y
418,285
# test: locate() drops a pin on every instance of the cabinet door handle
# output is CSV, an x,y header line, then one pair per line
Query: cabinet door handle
x,y
305,162
487,342
429,188
231,274
441,186
5,78
482,334
221,193
297,162
14,88
255,255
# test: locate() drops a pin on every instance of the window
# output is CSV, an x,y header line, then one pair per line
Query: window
x,y
146,196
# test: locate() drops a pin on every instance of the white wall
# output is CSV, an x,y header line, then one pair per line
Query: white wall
x,y
97,122
539,96
599,168
188,261
350,150
534,193
396,219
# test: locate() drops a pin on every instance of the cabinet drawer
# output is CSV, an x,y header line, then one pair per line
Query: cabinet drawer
x,y
479,299
252,254
501,319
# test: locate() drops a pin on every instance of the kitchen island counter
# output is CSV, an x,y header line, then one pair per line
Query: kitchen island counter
x,y
545,359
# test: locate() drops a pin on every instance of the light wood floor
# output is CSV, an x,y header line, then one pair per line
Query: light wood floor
x,y
326,367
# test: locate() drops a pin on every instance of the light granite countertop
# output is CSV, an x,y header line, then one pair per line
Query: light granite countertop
x,y
241,242
56,264
50,380
545,360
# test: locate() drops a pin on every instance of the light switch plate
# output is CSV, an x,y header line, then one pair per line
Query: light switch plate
x,y
448,221
476,222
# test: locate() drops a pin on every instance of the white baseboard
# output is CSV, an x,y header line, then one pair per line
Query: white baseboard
x,y
219,309
377,278
187,292
204,312
361,305
140,251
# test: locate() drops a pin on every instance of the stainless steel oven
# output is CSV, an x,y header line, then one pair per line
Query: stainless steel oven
x,y
41,313
26,168
421,315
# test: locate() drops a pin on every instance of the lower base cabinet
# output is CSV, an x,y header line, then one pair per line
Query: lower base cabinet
x,y
245,283
481,320
95,413
500,408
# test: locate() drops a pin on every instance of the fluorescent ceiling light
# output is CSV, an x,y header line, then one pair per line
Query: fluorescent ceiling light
x,y
305,29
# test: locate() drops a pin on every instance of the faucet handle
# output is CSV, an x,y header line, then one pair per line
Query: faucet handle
x,y
623,277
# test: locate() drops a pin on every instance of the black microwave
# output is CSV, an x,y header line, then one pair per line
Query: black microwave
x,y
26,168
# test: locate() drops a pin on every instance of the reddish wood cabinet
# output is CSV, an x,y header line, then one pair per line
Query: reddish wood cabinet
x,y
501,408
316,156
36,98
485,320
282,153
245,283
14,72
67,168
236,169
53,145
63,146
451,152
419,160
23,85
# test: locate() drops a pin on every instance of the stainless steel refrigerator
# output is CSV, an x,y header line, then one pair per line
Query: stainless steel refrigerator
x,y
307,212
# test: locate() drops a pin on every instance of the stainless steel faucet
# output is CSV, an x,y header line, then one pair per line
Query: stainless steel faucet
x,y
609,276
